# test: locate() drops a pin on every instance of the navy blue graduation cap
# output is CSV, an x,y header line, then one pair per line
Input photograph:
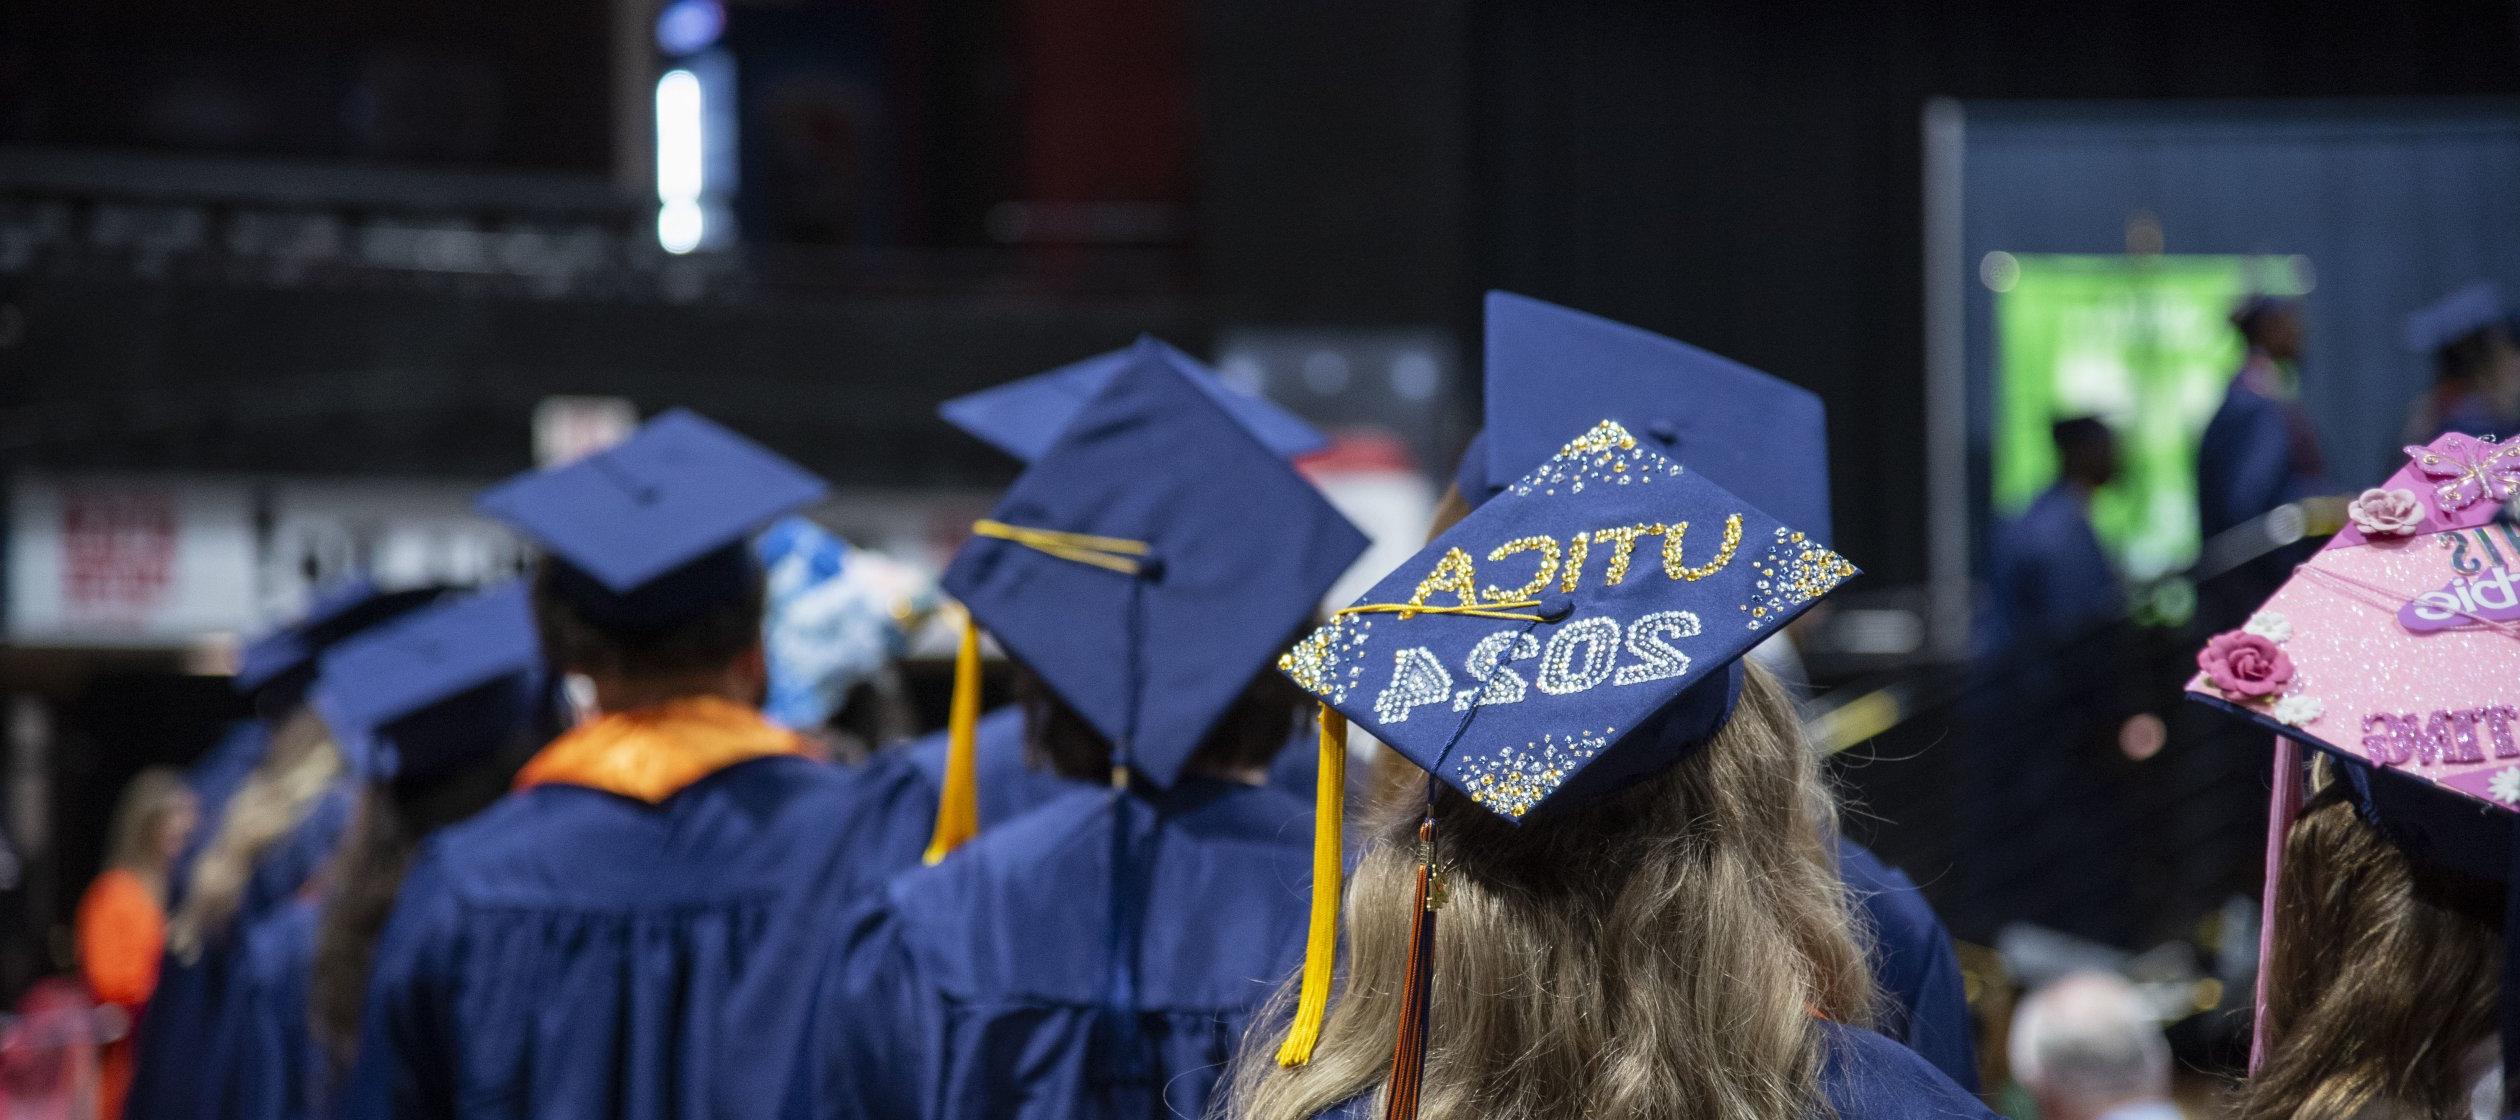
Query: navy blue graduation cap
x,y
1024,418
1579,632
2472,308
1552,371
654,529
1151,561
280,663
435,689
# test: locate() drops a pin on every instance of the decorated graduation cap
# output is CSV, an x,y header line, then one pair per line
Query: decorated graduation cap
x,y
1025,417
2392,652
428,692
2471,308
1579,632
1145,566
834,617
280,663
1552,371
653,530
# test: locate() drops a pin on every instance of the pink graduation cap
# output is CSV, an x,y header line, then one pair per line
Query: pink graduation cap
x,y
2396,650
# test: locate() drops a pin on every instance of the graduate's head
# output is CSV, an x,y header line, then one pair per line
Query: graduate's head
x,y
1659,951
1615,792
2086,1046
2466,336
647,585
1145,570
2086,451
711,644
2383,977
1254,726
2270,325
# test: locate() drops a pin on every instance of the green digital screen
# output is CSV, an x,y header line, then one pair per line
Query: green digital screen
x,y
2144,343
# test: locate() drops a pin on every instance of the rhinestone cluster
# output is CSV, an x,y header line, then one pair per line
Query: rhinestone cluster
x,y
1514,780
1795,570
1325,662
1605,455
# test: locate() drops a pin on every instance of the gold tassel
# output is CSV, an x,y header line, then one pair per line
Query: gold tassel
x,y
958,805
1321,946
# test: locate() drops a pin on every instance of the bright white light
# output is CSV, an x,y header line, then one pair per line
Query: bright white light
x,y
681,147
680,224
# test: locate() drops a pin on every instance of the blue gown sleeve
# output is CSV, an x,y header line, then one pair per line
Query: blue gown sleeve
x,y
405,1064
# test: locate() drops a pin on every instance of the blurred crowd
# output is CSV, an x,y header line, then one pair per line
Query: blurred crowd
x,y
1530,828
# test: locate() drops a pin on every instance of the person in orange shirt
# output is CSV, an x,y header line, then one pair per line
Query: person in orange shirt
x,y
122,918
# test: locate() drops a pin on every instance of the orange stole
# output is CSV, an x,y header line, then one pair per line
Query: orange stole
x,y
655,752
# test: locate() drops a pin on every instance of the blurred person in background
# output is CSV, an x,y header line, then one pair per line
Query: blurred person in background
x,y
2476,367
436,712
632,930
2052,580
1100,954
122,917
2045,820
273,837
2259,451
1023,419
2086,1048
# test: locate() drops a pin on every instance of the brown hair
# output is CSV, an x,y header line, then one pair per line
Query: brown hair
x,y
710,639
2382,976
393,818
1662,951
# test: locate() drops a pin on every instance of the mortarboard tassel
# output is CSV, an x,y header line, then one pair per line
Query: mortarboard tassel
x,y
1408,1052
2283,807
958,805
1321,944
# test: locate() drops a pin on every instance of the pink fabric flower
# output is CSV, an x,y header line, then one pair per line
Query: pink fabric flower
x,y
2245,666
2386,513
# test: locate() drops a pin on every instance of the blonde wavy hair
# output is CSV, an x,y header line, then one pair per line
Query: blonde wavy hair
x,y
1661,952
300,763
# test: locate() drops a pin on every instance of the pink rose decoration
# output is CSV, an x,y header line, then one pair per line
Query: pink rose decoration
x,y
2244,665
2386,513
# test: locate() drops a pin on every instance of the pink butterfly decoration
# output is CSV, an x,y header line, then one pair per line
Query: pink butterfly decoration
x,y
2471,470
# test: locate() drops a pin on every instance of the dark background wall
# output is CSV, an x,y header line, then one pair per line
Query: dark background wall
x,y
1742,176
1747,176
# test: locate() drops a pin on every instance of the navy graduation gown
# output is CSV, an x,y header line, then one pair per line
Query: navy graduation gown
x,y
575,953
1914,964
2052,581
977,990
2258,452
905,781
281,1071
193,1034
1863,1076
